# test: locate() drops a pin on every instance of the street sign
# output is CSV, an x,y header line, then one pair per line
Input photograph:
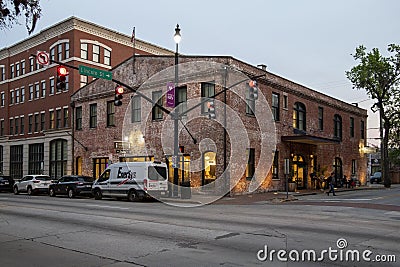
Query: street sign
x,y
42,58
101,74
170,95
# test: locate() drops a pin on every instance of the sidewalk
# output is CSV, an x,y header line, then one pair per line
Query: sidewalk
x,y
277,197
273,197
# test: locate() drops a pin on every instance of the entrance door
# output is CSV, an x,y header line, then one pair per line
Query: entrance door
x,y
299,171
209,164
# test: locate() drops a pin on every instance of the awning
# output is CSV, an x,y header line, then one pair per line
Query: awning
x,y
310,140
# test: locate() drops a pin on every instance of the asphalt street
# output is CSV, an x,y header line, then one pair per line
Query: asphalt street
x,y
44,231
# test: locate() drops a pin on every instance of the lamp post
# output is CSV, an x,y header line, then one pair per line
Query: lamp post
x,y
175,161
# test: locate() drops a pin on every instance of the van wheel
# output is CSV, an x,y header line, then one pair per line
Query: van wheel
x,y
30,192
16,192
133,196
97,194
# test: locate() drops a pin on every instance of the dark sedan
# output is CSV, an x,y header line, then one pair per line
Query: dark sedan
x,y
72,185
6,183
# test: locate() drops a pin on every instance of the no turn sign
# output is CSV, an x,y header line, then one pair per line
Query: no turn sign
x,y
42,58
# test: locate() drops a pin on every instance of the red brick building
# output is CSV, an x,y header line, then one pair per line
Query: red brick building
x,y
35,117
315,133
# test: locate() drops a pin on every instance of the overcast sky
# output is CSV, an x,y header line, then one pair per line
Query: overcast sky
x,y
307,41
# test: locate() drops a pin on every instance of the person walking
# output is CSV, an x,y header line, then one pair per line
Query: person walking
x,y
331,184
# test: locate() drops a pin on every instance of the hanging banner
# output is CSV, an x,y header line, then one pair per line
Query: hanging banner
x,y
170,95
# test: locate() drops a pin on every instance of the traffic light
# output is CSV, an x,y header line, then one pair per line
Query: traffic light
x,y
119,90
253,90
61,77
211,109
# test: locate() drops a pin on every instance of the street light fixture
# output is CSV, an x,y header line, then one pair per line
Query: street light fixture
x,y
175,158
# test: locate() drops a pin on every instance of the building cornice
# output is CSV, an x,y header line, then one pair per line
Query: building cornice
x,y
74,23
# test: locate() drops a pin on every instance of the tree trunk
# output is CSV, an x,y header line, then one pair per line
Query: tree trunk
x,y
385,160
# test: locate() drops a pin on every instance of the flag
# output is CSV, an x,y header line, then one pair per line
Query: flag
x,y
133,35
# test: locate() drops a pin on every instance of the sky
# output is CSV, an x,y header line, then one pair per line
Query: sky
x,y
309,42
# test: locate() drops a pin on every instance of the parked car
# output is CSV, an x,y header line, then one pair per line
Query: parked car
x,y
32,184
376,178
72,185
6,183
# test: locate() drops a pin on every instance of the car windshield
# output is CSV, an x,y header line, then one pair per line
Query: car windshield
x,y
43,178
85,179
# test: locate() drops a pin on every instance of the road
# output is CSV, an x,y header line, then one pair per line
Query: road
x,y
44,231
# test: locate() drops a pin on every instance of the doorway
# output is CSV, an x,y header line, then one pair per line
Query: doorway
x,y
299,171
209,167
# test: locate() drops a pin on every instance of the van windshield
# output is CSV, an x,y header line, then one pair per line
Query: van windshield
x,y
157,173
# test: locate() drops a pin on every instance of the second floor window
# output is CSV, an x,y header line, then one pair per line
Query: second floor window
x,y
52,122
42,121
58,118
207,91
181,97
93,116
320,118
157,113
78,118
362,132
275,106
299,116
66,117
337,126
351,127
136,109
51,92
110,113
3,99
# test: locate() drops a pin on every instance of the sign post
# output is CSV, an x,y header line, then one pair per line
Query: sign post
x,y
286,171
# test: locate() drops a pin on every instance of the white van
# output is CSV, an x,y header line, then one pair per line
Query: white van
x,y
132,180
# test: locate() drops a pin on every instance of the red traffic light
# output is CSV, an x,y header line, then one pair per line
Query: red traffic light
x,y
62,71
119,90
252,84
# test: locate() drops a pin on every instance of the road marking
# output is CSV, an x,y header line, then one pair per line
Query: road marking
x,y
105,206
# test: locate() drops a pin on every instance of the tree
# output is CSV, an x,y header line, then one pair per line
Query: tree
x,y
380,76
11,10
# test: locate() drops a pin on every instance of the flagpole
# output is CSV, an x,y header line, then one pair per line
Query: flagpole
x,y
134,49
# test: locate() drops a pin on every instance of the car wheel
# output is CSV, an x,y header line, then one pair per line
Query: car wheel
x,y
97,194
71,193
52,193
16,192
30,192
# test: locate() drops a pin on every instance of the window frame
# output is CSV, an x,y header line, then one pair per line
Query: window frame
x,y
93,115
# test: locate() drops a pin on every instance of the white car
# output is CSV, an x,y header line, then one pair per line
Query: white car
x,y
32,184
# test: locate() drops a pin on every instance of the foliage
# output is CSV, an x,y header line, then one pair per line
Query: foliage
x,y
11,10
380,77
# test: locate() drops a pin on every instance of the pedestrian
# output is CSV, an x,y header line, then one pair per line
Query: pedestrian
x,y
330,182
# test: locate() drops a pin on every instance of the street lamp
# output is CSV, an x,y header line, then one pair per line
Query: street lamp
x,y
175,161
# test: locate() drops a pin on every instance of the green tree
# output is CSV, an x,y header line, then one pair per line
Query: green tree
x,y
11,10
380,76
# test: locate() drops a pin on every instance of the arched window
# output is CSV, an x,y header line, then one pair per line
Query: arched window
x,y
58,158
299,116
337,126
